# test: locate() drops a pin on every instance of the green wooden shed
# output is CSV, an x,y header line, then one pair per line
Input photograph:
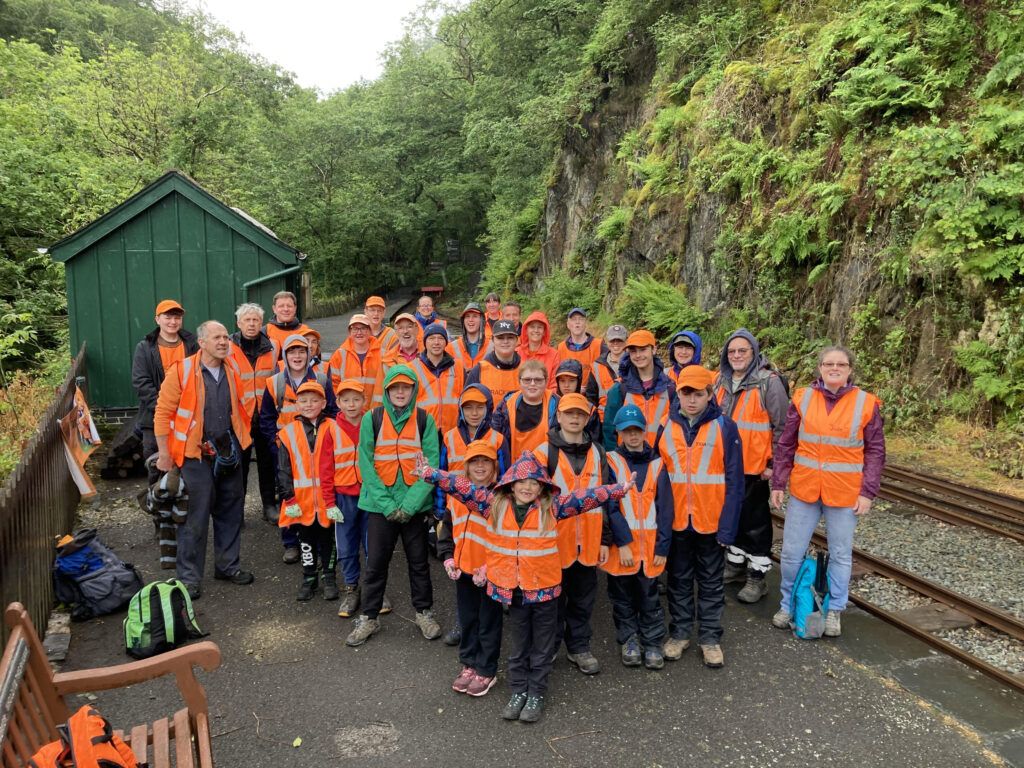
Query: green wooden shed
x,y
172,240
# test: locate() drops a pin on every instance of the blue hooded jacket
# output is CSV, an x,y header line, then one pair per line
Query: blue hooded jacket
x,y
695,342
630,381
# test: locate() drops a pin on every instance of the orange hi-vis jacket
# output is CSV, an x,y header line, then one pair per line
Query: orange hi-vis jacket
x,y
638,509
755,428
387,338
457,349
605,381
586,356
306,470
499,381
439,395
526,557
528,440
394,451
697,474
281,394
579,537
280,335
829,460
655,411
469,530
345,364
253,377
184,393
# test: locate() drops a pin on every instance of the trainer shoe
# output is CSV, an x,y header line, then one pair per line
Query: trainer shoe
x,y
480,685
306,590
362,630
238,577
461,683
755,588
782,619
833,625
349,600
271,513
385,606
429,627
631,652
654,658
453,636
194,591
533,711
290,556
734,574
674,647
585,662
713,656
515,706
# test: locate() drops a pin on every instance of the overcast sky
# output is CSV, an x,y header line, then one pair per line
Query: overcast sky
x,y
327,44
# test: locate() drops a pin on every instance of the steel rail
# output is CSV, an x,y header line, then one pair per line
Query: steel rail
x,y
1001,505
938,509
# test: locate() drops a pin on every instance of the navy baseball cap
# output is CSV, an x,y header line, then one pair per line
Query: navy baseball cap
x,y
629,416
576,311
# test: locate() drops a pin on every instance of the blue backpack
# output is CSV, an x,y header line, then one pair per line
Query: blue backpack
x,y
810,597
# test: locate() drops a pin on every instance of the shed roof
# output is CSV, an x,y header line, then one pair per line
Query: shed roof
x,y
174,181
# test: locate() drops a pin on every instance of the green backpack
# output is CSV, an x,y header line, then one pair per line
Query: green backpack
x,y
160,618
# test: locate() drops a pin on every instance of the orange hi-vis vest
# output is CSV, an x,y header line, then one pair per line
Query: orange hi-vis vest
x,y
457,349
306,470
655,411
469,530
579,537
498,380
605,381
527,440
755,428
346,461
526,557
345,364
439,395
697,474
86,740
638,509
394,451
253,377
829,460
190,373
281,394
586,357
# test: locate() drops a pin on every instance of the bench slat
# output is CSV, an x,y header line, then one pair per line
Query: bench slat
x,y
183,740
140,742
26,713
203,740
161,744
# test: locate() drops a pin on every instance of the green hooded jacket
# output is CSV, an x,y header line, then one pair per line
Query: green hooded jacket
x,y
374,495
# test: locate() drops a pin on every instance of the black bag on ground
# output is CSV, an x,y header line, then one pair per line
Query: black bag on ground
x,y
90,577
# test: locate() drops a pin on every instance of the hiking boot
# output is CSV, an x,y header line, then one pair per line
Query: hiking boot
x,y
429,627
631,652
290,556
654,658
755,588
782,619
330,585
271,513
533,711
734,574
238,577
385,606
713,656
833,625
363,628
194,591
585,662
453,636
515,706
480,685
674,647
306,590
461,683
349,600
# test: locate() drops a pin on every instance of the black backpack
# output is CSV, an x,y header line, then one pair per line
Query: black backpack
x,y
377,421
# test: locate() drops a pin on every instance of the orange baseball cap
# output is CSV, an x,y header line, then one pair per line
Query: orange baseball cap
x,y
310,386
375,301
695,377
481,448
307,331
574,401
641,338
473,395
406,316
401,378
351,385
169,305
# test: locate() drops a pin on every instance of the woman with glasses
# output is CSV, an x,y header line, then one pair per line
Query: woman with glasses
x,y
831,454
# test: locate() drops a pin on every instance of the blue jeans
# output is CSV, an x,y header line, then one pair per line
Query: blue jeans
x,y
801,519
349,536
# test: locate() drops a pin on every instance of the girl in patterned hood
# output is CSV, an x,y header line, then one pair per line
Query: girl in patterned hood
x,y
523,568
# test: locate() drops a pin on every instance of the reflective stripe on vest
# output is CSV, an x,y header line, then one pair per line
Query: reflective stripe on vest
x,y
287,408
397,450
639,511
306,470
655,412
439,395
526,557
605,381
500,381
359,372
698,480
755,428
579,536
181,423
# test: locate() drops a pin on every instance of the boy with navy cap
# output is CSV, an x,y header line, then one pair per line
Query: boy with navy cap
x,y
580,344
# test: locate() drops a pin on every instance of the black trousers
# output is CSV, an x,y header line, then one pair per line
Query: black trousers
x,y
754,535
532,634
264,466
481,620
696,564
576,606
381,537
637,609
316,547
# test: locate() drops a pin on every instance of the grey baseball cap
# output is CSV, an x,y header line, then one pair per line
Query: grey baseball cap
x,y
616,333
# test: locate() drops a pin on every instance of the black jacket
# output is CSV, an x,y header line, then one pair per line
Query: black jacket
x,y
148,372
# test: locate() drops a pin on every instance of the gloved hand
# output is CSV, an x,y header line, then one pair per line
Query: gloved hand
x,y
480,576
451,569
399,516
292,509
333,513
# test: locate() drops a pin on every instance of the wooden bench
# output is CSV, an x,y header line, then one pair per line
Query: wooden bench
x,y
32,699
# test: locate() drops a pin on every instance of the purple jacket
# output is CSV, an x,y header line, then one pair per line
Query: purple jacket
x,y
874,444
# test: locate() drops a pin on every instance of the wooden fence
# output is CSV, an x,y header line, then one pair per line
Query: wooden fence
x,y
37,503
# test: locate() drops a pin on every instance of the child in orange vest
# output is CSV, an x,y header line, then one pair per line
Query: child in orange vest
x,y
308,458
350,534
523,568
633,569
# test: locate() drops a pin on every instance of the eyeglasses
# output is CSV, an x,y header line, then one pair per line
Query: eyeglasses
x,y
740,352
835,365
532,380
